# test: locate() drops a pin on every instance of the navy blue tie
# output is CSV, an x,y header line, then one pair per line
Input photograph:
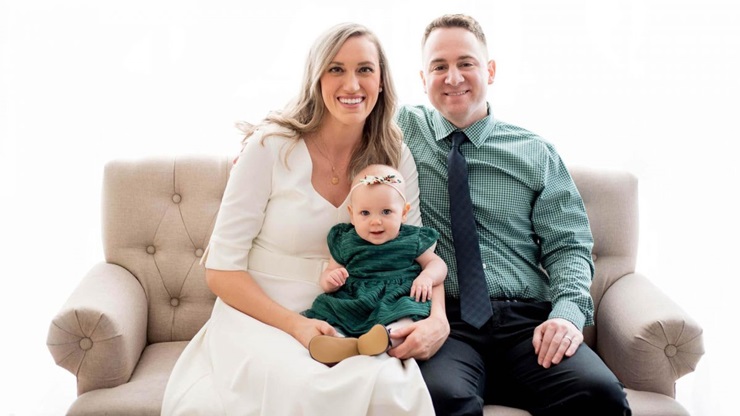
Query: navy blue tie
x,y
475,303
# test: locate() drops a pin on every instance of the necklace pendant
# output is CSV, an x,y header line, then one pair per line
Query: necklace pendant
x,y
334,180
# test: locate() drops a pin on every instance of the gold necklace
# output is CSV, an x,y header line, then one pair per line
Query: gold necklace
x,y
334,175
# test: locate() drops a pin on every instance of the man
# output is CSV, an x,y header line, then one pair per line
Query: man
x,y
531,258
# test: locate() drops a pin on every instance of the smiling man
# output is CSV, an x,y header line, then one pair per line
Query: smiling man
x,y
516,238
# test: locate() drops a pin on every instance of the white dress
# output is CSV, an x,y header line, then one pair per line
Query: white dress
x,y
274,224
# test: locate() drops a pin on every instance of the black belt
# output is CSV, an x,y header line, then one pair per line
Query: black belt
x,y
523,300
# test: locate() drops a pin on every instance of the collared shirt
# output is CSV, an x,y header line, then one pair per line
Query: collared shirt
x,y
533,230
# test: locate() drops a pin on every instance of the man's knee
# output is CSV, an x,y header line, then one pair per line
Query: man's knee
x,y
609,398
455,379
597,396
453,399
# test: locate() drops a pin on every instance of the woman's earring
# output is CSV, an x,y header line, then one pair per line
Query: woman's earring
x,y
380,89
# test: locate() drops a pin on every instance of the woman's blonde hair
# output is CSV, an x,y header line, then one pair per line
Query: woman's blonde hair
x,y
381,138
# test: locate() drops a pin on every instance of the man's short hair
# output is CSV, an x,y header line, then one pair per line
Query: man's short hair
x,y
456,20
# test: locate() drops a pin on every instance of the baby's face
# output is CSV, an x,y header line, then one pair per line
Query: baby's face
x,y
377,212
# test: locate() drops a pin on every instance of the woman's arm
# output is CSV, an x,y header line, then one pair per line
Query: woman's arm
x,y
407,168
239,222
239,290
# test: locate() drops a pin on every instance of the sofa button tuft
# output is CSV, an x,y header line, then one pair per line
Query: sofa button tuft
x,y
174,301
176,198
86,343
670,350
151,249
199,252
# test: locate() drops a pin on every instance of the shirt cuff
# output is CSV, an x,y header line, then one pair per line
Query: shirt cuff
x,y
569,311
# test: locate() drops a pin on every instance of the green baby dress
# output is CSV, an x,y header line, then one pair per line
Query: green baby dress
x,y
379,283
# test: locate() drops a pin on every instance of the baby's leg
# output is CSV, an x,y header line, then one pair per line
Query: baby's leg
x,y
403,322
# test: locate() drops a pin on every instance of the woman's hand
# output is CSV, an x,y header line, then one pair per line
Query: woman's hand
x,y
304,329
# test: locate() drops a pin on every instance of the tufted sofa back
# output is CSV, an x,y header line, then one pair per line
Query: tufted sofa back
x,y
158,215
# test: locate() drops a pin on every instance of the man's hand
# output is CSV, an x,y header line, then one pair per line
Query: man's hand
x,y
554,339
423,338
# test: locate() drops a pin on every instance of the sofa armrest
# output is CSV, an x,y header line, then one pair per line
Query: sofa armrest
x,y
100,332
644,337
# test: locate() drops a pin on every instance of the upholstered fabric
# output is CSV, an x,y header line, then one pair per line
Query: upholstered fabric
x,y
157,218
122,329
143,393
611,205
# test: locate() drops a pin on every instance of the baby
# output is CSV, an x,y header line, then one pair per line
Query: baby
x,y
381,271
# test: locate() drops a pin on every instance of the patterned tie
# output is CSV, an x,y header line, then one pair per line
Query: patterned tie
x,y
475,304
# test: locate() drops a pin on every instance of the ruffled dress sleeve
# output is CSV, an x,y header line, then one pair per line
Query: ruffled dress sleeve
x,y
427,238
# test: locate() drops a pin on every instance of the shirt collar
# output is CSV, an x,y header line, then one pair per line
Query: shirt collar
x,y
477,132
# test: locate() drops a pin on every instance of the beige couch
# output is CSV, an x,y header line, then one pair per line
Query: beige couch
x,y
122,329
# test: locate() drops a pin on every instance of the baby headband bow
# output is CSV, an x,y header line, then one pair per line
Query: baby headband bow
x,y
389,180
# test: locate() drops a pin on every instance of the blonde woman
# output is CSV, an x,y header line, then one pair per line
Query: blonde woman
x,y
288,187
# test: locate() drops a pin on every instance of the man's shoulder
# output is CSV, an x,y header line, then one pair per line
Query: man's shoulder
x,y
504,127
413,113
416,122
518,133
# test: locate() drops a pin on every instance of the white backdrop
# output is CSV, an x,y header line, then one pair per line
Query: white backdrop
x,y
650,86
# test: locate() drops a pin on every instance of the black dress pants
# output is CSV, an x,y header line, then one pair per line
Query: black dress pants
x,y
496,364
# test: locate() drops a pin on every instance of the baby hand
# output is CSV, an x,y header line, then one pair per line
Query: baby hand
x,y
421,289
334,279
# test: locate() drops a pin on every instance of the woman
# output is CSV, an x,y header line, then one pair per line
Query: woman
x,y
288,187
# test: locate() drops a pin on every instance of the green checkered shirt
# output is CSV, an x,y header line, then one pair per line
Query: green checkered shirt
x,y
529,213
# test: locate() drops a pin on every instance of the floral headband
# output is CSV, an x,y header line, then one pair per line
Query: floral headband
x,y
389,180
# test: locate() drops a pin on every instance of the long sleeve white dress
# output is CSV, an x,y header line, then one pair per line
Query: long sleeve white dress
x,y
273,224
